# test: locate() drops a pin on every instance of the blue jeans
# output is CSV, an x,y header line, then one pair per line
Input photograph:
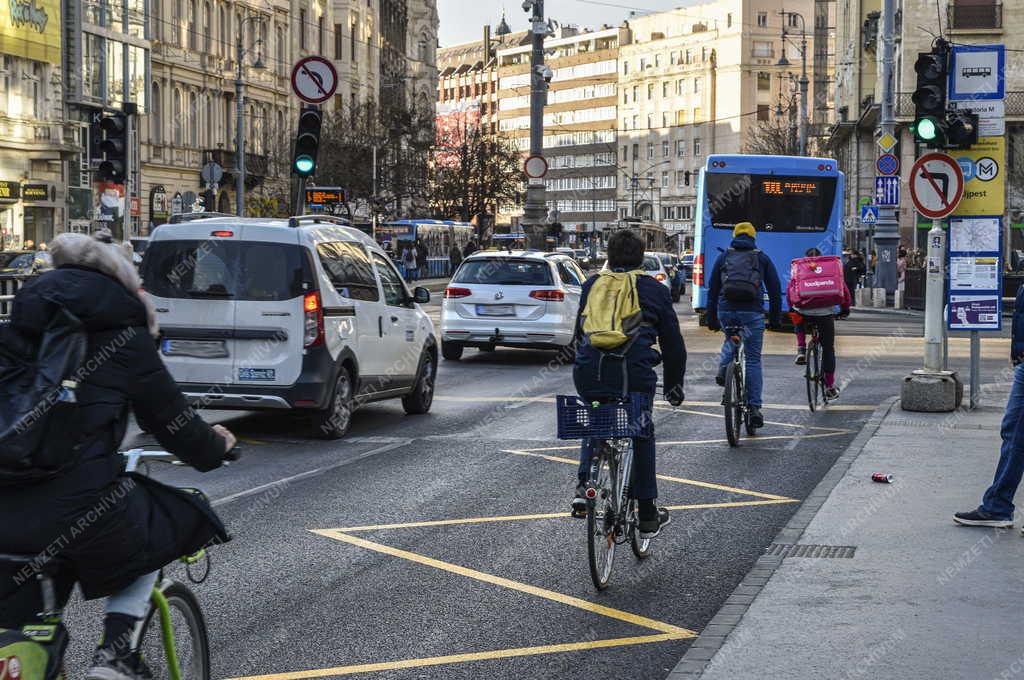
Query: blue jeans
x,y
753,339
998,499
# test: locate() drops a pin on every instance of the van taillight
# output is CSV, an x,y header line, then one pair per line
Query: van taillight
x,y
547,295
698,270
313,320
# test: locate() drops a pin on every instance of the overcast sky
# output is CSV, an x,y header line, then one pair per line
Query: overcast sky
x,y
463,20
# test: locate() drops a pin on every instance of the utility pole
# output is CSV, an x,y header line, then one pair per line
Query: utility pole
x,y
240,52
804,82
886,235
535,210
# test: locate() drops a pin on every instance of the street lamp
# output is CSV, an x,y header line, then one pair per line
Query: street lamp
x,y
240,53
783,61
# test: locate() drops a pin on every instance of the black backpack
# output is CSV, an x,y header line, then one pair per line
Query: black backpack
x,y
742,277
39,415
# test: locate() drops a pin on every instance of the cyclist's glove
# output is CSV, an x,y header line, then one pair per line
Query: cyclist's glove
x,y
676,398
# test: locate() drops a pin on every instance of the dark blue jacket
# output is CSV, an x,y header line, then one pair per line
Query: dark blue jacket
x,y
772,285
598,374
1017,337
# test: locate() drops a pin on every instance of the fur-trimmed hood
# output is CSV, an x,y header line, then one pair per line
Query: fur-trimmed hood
x,y
79,250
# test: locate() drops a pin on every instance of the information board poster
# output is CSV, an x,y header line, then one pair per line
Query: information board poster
x,y
975,274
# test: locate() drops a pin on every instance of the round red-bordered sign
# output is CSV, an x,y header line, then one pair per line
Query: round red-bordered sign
x,y
936,185
535,167
314,79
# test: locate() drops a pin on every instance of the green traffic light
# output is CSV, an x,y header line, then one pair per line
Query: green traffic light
x,y
927,130
304,165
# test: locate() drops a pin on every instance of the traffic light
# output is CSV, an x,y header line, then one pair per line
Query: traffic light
x,y
930,96
961,129
307,142
114,148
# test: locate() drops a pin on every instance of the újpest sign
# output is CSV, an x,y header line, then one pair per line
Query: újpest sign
x,y
31,29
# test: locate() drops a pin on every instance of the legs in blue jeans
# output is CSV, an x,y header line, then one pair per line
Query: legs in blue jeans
x,y
998,499
753,339
643,483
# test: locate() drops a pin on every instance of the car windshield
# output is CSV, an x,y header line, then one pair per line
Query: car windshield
x,y
226,270
22,261
504,272
651,263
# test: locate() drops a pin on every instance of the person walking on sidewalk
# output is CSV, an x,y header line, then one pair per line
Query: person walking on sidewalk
x,y
996,509
454,257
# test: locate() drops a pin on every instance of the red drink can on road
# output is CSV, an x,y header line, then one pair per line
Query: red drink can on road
x,y
882,478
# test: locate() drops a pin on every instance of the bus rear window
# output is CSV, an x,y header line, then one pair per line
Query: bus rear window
x,y
774,203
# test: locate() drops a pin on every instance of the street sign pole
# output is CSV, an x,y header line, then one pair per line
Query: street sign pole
x,y
933,321
975,368
886,232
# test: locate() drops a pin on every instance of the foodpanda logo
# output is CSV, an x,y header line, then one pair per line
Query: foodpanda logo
x,y
819,284
10,668
817,269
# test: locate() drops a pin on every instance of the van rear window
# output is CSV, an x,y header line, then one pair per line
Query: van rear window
x,y
229,270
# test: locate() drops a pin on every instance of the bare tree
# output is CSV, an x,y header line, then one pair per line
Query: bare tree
x,y
777,137
472,172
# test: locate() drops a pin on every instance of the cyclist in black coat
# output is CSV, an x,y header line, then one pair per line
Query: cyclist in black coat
x,y
111,532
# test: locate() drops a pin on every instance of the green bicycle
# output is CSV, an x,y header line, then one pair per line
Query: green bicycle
x,y
173,628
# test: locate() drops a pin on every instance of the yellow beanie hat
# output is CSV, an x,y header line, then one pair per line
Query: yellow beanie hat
x,y
744,229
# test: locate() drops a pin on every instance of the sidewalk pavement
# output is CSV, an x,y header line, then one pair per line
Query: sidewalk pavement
x,y
919,598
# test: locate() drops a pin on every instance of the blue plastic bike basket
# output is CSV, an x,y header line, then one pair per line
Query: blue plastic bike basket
x,y
579,419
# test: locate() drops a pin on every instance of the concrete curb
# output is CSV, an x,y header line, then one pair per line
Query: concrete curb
x,y
711,639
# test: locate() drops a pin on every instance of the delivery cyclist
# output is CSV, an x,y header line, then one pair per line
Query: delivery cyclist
x,y
736,290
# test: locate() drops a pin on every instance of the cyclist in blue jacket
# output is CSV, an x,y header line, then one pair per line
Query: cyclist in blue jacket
x,y
736,290
597,380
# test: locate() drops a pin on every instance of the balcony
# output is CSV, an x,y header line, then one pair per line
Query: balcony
x,y
974,15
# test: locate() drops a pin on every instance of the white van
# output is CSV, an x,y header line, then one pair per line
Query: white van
x,y
304,314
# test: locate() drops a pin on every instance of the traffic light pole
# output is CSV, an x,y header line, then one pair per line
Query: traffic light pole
x,y
886,235
535,210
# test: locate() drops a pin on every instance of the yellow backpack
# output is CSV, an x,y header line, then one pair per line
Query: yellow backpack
x,y
612,316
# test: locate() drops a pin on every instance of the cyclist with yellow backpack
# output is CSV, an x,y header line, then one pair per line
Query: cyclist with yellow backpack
x,y
623,313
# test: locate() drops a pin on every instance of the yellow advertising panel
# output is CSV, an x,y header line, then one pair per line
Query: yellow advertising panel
x,y
31,29
984,171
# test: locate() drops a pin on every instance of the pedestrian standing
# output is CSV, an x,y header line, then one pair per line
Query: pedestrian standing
x,y
470,248
853,270
996,509
409,262
421,258
454,257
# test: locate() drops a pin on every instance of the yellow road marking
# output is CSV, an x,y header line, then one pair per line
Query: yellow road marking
x,y
553,515
820,435
667,478
468,657
551,595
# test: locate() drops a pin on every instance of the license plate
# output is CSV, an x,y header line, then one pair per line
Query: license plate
x,y
200,349
496,310
255,374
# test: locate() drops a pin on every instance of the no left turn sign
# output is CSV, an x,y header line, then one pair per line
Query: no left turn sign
x,y
936,185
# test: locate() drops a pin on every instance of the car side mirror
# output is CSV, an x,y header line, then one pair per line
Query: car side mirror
x,y
421,295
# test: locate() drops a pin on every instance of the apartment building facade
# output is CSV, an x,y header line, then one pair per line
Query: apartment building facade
x,y
698,81
859,94
579,122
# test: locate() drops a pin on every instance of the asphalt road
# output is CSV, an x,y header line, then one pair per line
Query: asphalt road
x,y
439,546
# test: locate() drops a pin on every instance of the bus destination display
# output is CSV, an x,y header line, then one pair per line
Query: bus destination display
x,y
778,187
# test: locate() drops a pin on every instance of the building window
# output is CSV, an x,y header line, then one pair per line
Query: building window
x,y
763,49
764,82
650,121
176,22
763,111
339,50
282,46
792,17
681,86
176,122
636,93
193,34
696,146
696,85
664,179
728,20
636,152
625,67
193,119
643,63
650,91
681,148
657,60
625,153
698,115
353,39
302,29
665,149
320,34
650,151
155,117
625,96
762,19
689,56
664,89
672,59
636,122
207,28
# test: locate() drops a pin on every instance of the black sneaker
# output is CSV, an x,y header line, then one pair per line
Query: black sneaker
x,y
977,518
650,528
720,378
107,665
801,357
756,419
832,393
579,502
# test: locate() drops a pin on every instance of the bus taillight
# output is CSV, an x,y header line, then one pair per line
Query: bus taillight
x,y
698,270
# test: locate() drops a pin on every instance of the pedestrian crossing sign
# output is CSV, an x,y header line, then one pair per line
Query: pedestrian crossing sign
x,y
869,214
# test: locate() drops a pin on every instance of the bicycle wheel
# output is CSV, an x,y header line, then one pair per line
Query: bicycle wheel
x,y
812,375
641,546
187,631
601,517
733,404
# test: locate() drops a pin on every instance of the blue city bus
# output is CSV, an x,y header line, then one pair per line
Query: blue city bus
x,y
437,235
794,202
